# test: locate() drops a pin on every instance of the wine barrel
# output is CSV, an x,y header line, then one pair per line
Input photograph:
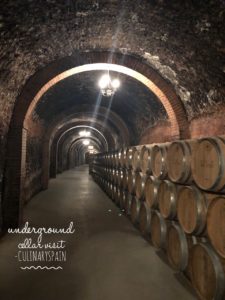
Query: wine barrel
x,y
127,206
120,178
207,274
151,191
106,186
113,175
123,199
179,160
216,224
109,175
158,229
208,164
131,181
129,153
118,196
140,180
111,159
144,218
125,179
117,158
114,191
177,247
192,208
110,190
158,161
135,210
136,163
145,160
108,160
167,199
116,177
123,157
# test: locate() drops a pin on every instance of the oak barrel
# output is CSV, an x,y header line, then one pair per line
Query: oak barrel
x,y
208,164
176,247
216,224
125,179
120,177
144,218
134,210
140,180
128,162
123,157
167,199
158,229
179,160
118,196
145,160
192,208
123,199
207,272
131,181
135,162
114,191
127,205
158,161
151,191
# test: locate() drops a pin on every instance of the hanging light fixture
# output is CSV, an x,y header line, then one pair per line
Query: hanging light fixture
x,y
108,86
84,133
86,142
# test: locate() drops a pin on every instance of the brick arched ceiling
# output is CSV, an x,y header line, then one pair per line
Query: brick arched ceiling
x,y
113,127
133,102
182,40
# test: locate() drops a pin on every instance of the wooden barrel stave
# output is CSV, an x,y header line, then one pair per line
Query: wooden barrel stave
x,y
144,218
179,161
167,199
135,210
208,164
158,161
145,160
192,208
207,275
216,224
140,180
131,182
158,227
127,205
151,191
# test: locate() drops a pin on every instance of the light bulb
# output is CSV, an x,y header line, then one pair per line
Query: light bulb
x,y
84,133
91,147
104,81
86,142
115,83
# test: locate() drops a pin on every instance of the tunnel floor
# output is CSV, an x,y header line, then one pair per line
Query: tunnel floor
x,y
106,257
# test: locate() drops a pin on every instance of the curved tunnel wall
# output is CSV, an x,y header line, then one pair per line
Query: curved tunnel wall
x,y
20,125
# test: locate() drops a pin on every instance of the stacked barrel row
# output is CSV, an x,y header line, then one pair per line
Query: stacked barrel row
x,y
175,193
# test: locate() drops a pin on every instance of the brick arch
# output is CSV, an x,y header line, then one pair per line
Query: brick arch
x,y
71,135
136,67
67,145
40,82
85,113
71,150
73,118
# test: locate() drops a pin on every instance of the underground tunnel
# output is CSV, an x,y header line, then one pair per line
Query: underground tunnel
x,y
112,149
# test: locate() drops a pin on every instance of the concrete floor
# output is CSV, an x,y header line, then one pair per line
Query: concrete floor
x,y
107,259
